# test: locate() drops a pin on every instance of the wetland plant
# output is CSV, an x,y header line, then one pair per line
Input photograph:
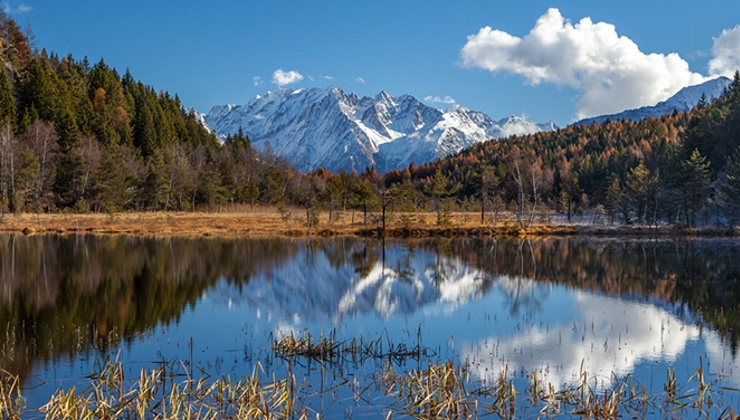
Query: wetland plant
x,y
442,389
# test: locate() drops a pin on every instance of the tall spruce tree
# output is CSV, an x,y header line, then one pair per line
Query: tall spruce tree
x,y
7,101
639,186
72,87
38,89
156,185
67,185
730,189
145,132
695,185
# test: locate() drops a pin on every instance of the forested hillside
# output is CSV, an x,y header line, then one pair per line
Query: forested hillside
x,y
680,168
80,137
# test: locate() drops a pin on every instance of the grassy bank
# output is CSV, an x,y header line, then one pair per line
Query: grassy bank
x,y
260,222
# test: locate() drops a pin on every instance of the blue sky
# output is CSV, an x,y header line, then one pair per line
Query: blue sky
x,y
556,60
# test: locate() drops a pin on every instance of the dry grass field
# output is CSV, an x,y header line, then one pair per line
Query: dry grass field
x,y
257,222
260,222
238,222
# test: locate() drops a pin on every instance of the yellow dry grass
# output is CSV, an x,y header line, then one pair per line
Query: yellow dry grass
x,y
254,222
262,222
258,222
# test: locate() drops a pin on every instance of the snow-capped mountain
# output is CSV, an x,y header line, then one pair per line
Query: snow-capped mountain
x,y
326,127
683,101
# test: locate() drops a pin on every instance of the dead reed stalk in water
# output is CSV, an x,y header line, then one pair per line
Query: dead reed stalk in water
x,y
12,402
441,390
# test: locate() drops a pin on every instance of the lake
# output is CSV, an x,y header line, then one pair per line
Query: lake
x,y
560,311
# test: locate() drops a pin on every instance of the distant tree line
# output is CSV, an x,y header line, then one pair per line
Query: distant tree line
x,y
79,137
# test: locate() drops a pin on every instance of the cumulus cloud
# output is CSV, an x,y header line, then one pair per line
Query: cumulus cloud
x,y
438,100
257,81
726,52
609,70
282,78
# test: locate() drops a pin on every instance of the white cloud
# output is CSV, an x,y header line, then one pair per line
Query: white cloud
x,y
330,78
257,81
282,78
21,8
436,99
360,80
609,70
726,52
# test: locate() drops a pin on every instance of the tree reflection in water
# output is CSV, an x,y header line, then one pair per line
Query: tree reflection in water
x,y
61,296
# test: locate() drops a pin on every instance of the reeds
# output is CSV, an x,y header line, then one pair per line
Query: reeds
x,y
12,402
501,395
442,389
436,392
157,395
357,350
307,346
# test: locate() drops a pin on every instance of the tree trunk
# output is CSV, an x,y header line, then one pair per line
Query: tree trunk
x,y
520,194
308,220
534,199
482,211
383,217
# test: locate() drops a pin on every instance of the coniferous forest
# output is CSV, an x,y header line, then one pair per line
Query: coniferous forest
x,y
80,137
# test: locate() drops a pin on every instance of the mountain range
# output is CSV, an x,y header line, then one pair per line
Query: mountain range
x,y
329,128
326,127
683,101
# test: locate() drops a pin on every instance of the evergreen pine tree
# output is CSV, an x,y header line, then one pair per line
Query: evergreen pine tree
x,y
639,186
695,185
156,187
39,89
7,101
730,188
615,199
145,133
114,182
437,188
67,185
72,88
210,190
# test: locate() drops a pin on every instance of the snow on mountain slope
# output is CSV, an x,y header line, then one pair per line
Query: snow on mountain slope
x,y
339,131
683,101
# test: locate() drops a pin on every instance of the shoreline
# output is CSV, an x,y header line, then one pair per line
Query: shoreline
x,y
268,222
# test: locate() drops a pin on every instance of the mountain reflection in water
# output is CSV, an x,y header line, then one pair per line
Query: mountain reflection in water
x,y
325,286
559,306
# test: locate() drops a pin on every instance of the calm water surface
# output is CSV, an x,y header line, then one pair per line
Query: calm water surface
x,y
558,307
